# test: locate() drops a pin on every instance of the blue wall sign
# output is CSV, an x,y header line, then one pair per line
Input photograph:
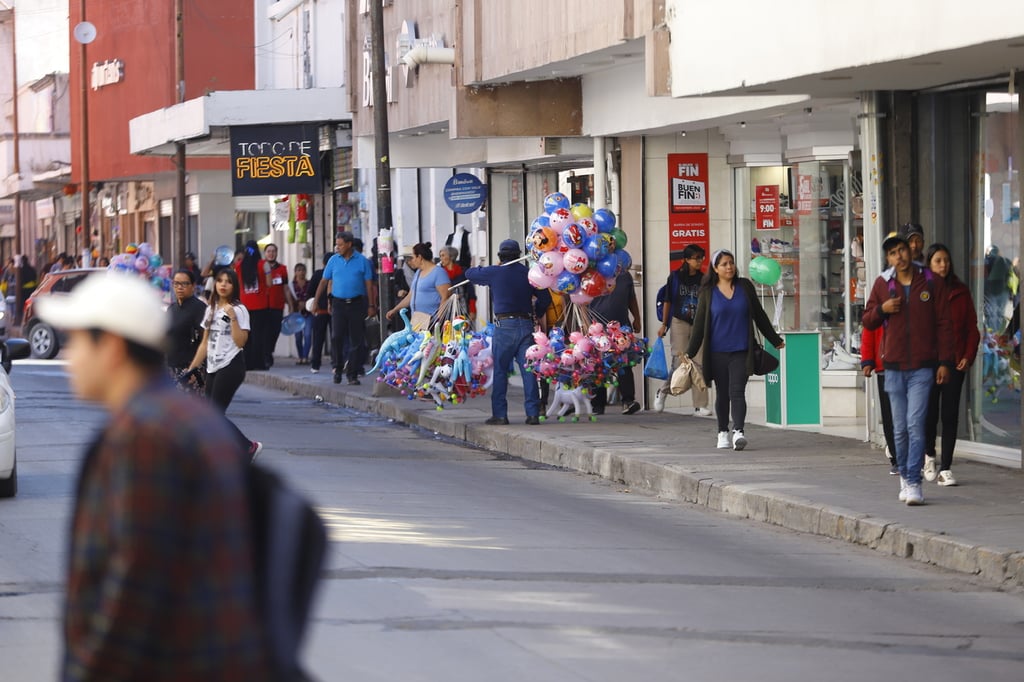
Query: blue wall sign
x,y
464,193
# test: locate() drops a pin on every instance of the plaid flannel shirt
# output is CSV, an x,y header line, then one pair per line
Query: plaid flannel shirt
x,y
160,576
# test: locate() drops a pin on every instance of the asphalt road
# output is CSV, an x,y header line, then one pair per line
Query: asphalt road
x,y
452,564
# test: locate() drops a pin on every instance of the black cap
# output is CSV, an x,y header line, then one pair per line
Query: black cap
x,y
509,249
911,229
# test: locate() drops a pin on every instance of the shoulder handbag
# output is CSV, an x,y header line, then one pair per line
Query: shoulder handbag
x,y
764,362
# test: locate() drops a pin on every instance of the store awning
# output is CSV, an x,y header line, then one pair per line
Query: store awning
x,y
204,123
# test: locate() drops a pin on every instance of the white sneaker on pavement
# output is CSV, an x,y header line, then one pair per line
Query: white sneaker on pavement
x,y
701,412
914,495
903,490
659,400
739,441
946,477
723,440
930,471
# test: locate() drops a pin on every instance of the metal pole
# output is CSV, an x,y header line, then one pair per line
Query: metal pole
x,y
181,202
84,89
17,138
383,150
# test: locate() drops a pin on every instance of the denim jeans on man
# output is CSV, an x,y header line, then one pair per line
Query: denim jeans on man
x,y
908,394
511,339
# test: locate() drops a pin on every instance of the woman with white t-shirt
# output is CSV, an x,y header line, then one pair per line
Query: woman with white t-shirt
x,y
225,331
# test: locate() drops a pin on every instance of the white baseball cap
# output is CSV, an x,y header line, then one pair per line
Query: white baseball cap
x,y
121,304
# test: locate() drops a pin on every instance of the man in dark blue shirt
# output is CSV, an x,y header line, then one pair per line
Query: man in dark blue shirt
x,y
349,276
517,306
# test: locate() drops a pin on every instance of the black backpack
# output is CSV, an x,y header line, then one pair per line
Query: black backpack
x,y
289,547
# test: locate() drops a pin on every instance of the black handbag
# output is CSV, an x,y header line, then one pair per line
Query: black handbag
x,y
764,362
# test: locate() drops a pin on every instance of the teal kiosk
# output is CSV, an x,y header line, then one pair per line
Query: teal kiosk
x,y
793,391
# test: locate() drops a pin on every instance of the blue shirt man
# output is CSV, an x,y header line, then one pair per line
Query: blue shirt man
x,y
516,306
349,275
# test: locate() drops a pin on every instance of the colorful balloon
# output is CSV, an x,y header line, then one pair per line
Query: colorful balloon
x,y
551,262
155,261
145,249
573,235
625,260
142,263
223,255
608,266
580,211
620,238
604,219
567,283
764,270
539,278
131,248
575,261
592,283
580,298
554,201
539,222
544,239
559,218
597,247
588,225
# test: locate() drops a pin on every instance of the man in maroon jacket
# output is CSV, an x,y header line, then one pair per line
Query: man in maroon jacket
x,y
913,305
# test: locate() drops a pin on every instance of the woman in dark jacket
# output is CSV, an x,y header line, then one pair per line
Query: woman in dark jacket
x,y
944,400
723,326
677,314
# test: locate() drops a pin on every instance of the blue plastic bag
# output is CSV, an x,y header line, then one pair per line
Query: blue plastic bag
x,y
657,365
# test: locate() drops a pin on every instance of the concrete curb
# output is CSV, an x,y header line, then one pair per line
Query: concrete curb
x,y
997,565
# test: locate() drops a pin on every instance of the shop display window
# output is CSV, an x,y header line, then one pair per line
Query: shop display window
x,y
808,218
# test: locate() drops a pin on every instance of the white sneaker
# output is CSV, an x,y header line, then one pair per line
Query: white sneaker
x,y
723,440
903,490
914,495
739,441
930,471
946,478
659,400
701,412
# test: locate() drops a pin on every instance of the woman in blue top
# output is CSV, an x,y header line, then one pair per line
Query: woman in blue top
x,y
727,310
430,285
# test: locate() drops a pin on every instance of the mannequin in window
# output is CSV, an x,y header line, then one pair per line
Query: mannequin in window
x,y
460,240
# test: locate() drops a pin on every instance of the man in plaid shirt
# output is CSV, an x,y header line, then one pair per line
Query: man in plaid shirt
x,y
160,574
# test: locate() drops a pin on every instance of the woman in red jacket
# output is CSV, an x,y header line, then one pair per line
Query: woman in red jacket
x,y
944,400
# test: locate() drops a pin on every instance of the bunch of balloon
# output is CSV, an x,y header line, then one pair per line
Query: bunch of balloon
x,y
767,272
575,250
142,260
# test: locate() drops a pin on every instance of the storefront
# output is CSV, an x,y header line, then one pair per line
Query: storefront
x,y
951,169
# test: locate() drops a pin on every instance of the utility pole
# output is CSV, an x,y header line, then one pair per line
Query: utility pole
x,y
84,88
383,149
17,128
181,201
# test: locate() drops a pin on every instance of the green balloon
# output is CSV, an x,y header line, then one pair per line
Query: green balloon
x,y
620,239
764,270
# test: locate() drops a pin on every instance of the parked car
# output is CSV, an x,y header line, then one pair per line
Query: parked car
x,y
11,349
43,339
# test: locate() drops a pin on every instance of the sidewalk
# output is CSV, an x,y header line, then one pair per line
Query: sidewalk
x,y
808,482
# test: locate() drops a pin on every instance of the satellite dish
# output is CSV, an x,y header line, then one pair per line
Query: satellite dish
x,y
85,32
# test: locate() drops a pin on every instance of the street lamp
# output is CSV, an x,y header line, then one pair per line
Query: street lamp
x,y
84,34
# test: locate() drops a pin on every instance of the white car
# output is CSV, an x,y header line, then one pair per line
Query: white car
x,y
15,349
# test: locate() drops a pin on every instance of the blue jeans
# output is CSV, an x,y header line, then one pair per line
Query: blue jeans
x,y
304,339
908,394
511,339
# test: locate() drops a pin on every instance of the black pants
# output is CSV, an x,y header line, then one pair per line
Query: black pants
x,y
944,403
321,324
348,334
627,390
255,347
729,372
885,407
273,332
221,387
